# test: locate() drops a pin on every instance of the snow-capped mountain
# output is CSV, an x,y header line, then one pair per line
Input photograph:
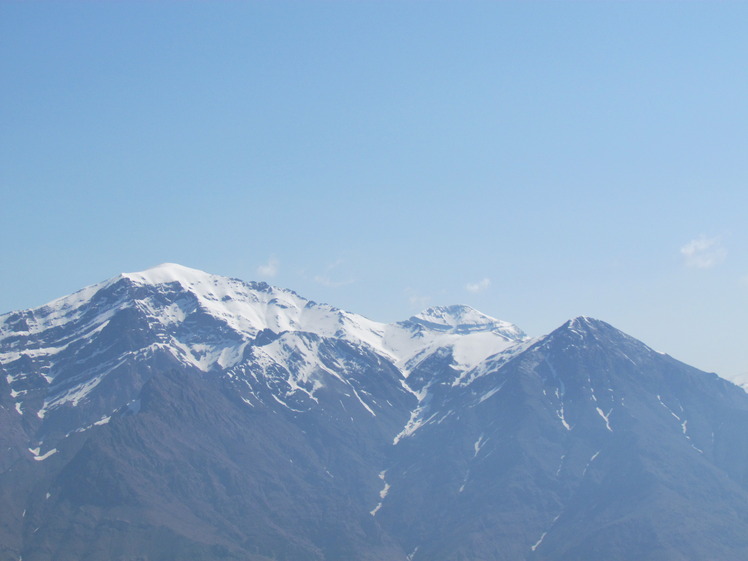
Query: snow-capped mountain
x,y
174,414
74,361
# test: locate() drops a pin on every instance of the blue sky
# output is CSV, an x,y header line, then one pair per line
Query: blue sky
x,y
536,160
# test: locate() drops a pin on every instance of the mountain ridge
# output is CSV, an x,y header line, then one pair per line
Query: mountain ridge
x,y
176,414
160,304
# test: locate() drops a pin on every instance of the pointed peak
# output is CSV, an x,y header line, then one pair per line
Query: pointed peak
x,y
585,325
585,322
588,328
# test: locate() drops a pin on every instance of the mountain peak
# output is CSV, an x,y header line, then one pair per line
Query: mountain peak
x,y
353,422
462,319
454,315
587,330
585,322
585,326
168,272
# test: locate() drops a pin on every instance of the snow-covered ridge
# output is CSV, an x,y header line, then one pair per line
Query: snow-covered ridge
x,y
470,335
173,272
171,295
174,293
464,319
74,351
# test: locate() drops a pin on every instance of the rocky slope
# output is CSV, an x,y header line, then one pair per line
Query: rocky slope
x,y
174,414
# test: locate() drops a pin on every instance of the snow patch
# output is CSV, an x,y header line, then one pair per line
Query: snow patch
x,y
592,459
42,457
543,535
284,404
478,444
560,465
605,417
413,424
382,493
489,394
363,402
537,543
682,421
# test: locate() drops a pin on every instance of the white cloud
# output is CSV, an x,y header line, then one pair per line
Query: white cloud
x,y
703,253
326,279
479,286
269,269
331,277
330,283
416,300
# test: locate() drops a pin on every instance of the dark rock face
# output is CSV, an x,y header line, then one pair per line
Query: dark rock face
x,y
594,446
209,474
129,440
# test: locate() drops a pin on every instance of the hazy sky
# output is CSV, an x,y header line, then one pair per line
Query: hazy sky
x,y
535,160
